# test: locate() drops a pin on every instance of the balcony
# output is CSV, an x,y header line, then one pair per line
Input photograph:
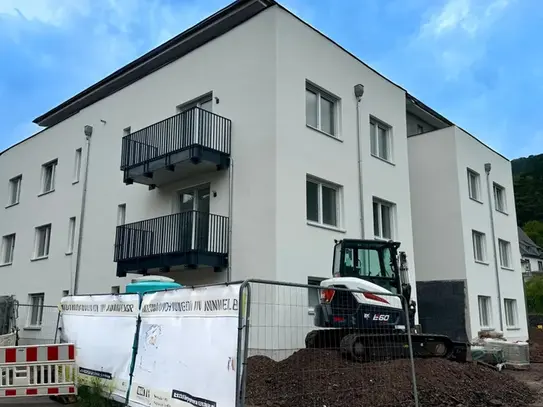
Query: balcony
x,y
193,141
191,239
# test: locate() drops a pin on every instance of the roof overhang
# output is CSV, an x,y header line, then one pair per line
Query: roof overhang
x,y
212,27
429,115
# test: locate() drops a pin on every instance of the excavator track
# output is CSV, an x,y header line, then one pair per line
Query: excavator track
x,y
368,347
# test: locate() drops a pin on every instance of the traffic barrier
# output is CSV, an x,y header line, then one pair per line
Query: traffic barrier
x,y
37,370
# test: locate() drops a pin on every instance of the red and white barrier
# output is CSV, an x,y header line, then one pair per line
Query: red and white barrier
x,y
37,370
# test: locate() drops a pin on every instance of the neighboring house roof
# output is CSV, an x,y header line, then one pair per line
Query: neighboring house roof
x,y
527,246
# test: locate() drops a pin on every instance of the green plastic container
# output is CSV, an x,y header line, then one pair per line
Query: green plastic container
x,y
149,284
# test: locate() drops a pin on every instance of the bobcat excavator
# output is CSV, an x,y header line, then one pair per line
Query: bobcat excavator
x,y
366,310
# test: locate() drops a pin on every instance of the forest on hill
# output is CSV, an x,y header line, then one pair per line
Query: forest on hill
x,y
528,184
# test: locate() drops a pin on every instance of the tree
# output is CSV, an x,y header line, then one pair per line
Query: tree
x,y
534,230
534,295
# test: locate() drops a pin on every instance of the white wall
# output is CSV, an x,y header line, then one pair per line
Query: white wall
x,y
482,277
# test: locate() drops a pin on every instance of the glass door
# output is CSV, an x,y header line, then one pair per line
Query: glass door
x,y
197,124
194,218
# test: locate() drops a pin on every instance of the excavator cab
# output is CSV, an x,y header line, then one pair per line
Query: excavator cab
x,y
375,261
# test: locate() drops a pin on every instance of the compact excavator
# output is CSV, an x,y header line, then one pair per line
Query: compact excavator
x,y
366,310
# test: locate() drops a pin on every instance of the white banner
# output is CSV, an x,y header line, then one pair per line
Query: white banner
x,y
103,328
187,348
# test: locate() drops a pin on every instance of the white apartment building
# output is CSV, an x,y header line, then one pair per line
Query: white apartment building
x,y
239,149
226,153
465,235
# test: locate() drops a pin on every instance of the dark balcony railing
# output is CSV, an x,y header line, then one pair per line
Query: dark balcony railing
x,y
177,133
150,242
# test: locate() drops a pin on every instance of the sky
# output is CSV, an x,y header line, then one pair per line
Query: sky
x,y
477,62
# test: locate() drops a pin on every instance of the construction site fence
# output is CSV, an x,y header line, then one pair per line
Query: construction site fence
x,y
38,324
237,344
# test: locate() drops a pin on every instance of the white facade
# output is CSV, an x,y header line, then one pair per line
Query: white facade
x,y
260,87
453,229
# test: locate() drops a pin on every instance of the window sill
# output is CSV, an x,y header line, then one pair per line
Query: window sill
x,y
6,264
12,204
75,182
383,160
484,263
502,212
322,226
39,258
476,200
325,133
46,192
69,253
32,328
487,329
513,328
507,268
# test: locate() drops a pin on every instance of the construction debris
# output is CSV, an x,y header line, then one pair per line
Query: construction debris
x,y
317,377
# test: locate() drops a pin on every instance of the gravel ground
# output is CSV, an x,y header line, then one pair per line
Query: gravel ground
x,y
316,377
536,345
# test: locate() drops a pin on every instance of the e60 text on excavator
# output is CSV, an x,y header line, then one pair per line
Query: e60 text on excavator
x,y
366,309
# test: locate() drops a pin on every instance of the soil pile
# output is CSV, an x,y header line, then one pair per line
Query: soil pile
x,y
536,345
317,378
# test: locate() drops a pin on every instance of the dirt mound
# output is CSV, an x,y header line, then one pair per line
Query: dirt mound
x,y
313,377
536,345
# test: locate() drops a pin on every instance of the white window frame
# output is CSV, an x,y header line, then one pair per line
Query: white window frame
x,y
121,214
339,202
323,94
47,245
511,313
504,249
477,177
8,247
44,169
77,165
484,302
500,200
375,145
392,206
36,305
482,235
15,184
72,222
312,280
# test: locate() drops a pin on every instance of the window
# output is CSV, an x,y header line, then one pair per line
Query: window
x,y
71,235
65,293
35,317
121,214
115,289
511,313
505,253
383,217
380,140
485,312
474,185
420,129
313,296
322,202
499,198
540,265
479,246
48,177
527,265
320,110
8,248
77,165
43,238
15,190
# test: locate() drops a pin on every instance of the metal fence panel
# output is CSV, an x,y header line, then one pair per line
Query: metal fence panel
x,y
38,324
280,368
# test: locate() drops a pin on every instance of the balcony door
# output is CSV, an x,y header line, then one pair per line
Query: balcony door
x,y
194,208
197,123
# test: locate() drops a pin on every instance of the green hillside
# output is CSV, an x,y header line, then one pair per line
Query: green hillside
x,y
528,183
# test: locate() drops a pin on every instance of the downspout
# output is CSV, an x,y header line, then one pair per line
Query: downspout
x,y
230,215
358,93
88,134
488,167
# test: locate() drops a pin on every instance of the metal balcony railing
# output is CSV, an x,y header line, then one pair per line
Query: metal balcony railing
x,y
193,127
184,232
